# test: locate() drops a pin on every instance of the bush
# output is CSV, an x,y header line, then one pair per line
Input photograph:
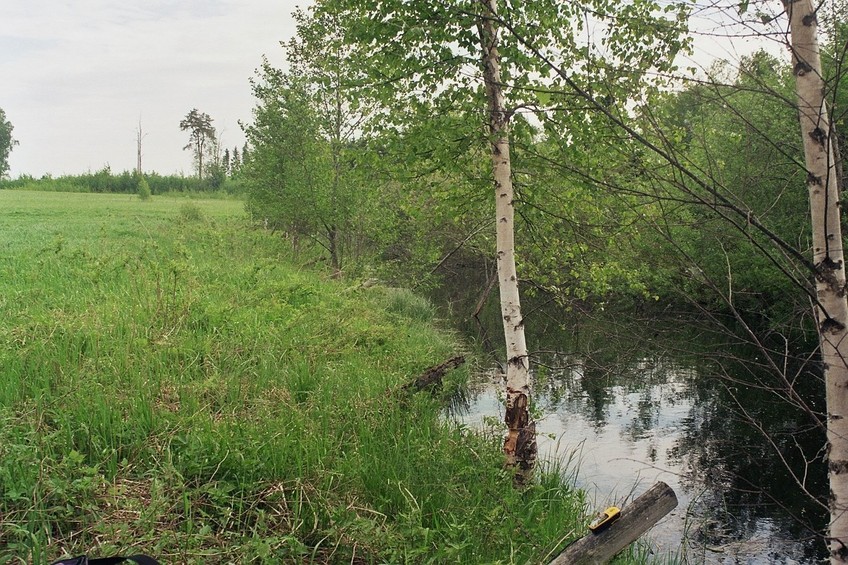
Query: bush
x,y
190,212
143,189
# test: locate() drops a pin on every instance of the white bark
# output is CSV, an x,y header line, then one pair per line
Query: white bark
x,y
832,308
520,442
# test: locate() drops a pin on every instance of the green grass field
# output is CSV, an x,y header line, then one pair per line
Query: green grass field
x,y
171,382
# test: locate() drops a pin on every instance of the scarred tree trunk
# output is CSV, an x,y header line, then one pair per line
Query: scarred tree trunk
x,y
832,308
520,442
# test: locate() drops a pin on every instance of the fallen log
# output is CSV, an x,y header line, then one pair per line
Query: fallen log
x,y
635,519
434,375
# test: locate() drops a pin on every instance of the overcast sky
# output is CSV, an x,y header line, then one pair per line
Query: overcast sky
x,y
76,76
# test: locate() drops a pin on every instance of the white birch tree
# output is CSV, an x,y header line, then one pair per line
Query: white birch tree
x,y
520,441
831,309
822,178
436,57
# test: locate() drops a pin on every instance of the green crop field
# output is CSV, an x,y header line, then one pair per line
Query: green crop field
x,y
172,382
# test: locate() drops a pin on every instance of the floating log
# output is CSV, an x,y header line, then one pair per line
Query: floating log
x,y
636,518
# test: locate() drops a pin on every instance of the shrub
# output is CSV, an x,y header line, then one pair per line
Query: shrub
x,y
143,189
191,212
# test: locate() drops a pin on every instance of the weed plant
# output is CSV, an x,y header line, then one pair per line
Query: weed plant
x,y
173,383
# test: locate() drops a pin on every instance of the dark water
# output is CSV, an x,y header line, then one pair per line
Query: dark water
x,y
631,403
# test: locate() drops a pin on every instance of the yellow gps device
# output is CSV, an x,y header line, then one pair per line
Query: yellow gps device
x,y
603,521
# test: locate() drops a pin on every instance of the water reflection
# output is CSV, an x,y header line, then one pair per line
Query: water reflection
x,y
698,425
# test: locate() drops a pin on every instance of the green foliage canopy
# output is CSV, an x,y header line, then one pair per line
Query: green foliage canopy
x,y
201,136
302,171
289,165
735,133
7,142
422,61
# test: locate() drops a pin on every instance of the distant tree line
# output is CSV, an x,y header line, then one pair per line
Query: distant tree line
x,y
126,182
217,169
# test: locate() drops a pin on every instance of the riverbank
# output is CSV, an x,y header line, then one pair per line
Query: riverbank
x,y
175,383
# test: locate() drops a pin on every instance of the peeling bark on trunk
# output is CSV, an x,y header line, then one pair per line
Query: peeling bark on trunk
x,y
520,442
832,308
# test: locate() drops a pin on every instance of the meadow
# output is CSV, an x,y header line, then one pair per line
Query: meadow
x,y
176,382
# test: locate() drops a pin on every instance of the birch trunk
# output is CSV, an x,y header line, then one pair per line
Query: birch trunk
x,y
520,442
832,308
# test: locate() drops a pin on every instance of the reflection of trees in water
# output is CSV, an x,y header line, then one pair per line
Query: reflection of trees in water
x,y
742,474
742,431
596,377
737,479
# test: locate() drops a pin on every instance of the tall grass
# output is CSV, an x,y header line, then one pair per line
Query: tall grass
x,y
173,382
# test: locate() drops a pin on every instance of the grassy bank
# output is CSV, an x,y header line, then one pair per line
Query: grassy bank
x,y
173,383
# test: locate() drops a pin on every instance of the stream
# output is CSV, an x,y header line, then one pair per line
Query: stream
x,y
705,414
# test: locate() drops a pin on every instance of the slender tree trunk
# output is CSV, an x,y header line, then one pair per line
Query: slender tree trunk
x,y
832,308
520,442
200,159
138,166
336,148
333,246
